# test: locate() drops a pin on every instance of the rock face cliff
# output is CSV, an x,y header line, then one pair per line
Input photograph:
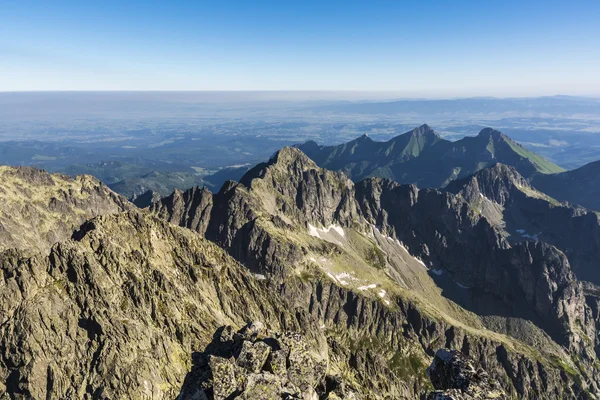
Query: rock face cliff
x,y
370,258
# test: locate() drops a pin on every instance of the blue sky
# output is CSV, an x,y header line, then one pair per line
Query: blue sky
x,y
417,48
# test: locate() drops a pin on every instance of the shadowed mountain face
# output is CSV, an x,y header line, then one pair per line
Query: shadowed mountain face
x,y
389,243
423,158
579,186
509,202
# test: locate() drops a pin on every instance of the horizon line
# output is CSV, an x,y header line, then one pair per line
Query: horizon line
x,y
305,91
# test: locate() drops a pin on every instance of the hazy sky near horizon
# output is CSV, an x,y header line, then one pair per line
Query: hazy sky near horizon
x,y
416,48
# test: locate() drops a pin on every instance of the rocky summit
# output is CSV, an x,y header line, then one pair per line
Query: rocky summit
x,y
296,283
254,363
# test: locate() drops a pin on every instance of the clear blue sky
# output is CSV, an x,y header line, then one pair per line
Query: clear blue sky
x,y
417,48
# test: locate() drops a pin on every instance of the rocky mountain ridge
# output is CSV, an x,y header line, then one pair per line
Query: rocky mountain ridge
x,y
117,311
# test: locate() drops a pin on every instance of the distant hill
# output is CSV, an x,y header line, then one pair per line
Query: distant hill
x,y
424,158
580,186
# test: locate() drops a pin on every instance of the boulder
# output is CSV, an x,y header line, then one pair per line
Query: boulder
x,y
455,377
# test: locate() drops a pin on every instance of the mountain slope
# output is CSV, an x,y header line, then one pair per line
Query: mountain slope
x,y
291,222
579,186
118,311
38,209
424,158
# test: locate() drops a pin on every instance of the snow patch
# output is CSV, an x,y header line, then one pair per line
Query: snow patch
x,y
381,293
332,277
371,286
523,233
260,277
344,277
313,231
316,232
338,229
387,302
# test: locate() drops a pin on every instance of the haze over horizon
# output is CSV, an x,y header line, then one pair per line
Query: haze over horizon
x,y
428,50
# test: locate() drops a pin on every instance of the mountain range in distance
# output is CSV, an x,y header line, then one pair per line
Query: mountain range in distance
x,y
424,158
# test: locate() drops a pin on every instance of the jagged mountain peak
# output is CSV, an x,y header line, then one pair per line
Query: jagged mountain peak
x,y
424,130
498,183
492,133
420,156
364,137
289,159
497,174
292,155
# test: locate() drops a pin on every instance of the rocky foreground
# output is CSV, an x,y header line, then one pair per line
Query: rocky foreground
x,y
254,363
